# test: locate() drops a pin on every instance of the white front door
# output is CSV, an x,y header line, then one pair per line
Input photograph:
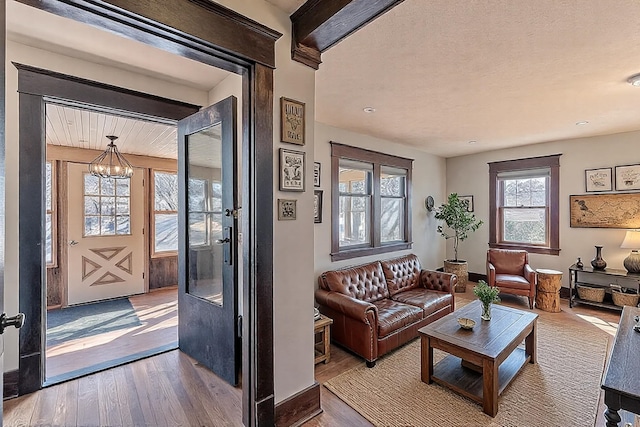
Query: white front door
x,y
105,235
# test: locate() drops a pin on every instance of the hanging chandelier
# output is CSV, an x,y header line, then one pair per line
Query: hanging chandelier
x,y
111,164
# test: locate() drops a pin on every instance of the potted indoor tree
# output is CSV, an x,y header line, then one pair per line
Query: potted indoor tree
x,y
458,223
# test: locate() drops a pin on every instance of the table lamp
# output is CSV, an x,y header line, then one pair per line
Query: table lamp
x,y
632,241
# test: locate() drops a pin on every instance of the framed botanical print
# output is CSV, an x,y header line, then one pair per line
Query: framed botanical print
x,y
468,200
286,209
291,121
628,177
598,180
317,206
316,174
292,169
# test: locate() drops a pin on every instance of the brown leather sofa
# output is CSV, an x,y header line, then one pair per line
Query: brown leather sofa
x,y
379,306
510,271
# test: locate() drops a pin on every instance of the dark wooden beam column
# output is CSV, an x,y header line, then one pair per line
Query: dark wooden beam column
x,y
320,24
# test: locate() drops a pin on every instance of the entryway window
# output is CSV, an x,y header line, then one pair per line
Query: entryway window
x,y
106,206
165,212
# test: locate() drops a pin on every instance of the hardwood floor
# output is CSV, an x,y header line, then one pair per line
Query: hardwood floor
x,y
158,315
171,389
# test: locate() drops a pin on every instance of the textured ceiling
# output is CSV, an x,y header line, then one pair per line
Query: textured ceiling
x,y
441,73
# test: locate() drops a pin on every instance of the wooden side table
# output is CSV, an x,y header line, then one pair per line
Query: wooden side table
x,y
548,291
322,328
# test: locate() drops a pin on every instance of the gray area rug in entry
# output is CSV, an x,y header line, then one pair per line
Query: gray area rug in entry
x,y
86,320
562,389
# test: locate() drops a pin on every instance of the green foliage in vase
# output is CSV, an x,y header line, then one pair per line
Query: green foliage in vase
x,y
485,293
458,220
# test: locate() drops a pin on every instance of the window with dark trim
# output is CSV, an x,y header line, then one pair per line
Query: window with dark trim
x,y
523,204
371,199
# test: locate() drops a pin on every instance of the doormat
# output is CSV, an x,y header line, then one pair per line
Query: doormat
x,y
86,320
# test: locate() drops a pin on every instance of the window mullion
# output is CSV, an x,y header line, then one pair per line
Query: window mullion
x,y
376,209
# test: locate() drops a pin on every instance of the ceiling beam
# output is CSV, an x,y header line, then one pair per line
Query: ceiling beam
x,y
320,24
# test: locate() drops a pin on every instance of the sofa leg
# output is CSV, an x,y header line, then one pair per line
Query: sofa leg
x,y
371,364
531,303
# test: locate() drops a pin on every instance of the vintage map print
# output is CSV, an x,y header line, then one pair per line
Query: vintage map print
x,y
605,210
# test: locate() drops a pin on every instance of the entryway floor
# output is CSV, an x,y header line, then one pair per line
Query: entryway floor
x,y
155,331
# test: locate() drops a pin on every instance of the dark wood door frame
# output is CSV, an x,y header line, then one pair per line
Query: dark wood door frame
x,y
214,35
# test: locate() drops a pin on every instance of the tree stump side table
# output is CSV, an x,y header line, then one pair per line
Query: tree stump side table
x,y
548,290
322,327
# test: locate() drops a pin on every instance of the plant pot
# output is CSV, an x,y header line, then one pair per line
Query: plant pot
x,y
460,269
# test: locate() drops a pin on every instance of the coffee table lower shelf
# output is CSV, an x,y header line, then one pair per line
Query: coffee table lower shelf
x,y
450,373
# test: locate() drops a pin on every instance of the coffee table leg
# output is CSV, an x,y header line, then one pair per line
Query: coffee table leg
x,y
531,342
426,360
490,387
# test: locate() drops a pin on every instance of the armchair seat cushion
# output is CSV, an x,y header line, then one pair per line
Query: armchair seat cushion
x,y
393,315
428,301
512,281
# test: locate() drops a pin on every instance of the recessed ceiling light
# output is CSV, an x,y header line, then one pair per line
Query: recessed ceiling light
x,y
369,110
472,141
582,123
634,80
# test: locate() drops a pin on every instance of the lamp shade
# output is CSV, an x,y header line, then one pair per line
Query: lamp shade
x,y
631,240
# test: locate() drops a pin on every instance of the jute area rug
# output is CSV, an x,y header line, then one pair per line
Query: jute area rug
x,y
562,389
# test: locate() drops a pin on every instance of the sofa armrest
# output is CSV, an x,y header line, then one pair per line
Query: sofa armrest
x,y
530,275
491,274
438,281
350,307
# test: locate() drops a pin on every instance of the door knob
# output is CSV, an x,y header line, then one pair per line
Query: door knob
x,y
17,321
222,241
73,243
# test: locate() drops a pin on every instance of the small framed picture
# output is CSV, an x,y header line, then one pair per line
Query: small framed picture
x,y
286,209
292,121
291,170
317,206
469,202
628,177
316,174
598,180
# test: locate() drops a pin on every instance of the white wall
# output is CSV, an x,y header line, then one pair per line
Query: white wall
x,y
293,250
56,62
469,175
428,179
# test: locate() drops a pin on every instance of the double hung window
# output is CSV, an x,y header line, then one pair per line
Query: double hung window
x,y
370,202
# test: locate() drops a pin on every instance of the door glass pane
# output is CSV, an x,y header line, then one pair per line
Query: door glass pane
x,y
49,241
206,254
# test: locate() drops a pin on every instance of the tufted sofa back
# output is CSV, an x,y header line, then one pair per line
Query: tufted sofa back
x,y
402,273
365,282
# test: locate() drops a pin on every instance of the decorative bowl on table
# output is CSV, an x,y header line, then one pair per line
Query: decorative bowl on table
x,y
466,323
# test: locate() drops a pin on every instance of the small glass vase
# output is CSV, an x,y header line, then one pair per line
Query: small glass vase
x,y
486,311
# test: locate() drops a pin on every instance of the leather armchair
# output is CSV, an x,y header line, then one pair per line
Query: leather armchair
x,y
510,271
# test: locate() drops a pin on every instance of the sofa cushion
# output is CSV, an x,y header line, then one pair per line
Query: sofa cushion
x,y
428,301
511,281
393,315
365,282
401,273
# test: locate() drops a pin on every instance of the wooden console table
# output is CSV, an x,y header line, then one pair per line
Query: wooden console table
x,y
621,381
599,278
322,327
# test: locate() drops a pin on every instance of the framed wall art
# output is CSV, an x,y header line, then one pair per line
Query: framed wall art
x,y
598,180
317,206
291,170
291,121
286,209
468,200
316,174
628,177
605,210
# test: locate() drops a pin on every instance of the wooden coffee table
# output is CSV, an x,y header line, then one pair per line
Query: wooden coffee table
x,y
481,361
